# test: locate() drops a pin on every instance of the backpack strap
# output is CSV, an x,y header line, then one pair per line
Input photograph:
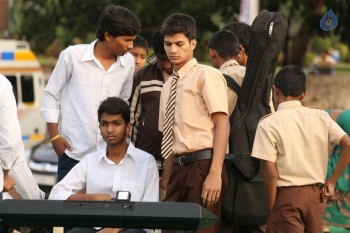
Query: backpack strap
x,y
232,84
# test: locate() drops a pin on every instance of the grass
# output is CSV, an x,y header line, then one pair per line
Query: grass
x,y
342,68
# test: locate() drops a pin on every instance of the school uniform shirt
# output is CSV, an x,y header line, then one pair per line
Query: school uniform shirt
x,y
77,86
296,138
236,72
144,109
137,173
201,91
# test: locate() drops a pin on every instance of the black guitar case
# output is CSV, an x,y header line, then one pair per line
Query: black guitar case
x,y
244,201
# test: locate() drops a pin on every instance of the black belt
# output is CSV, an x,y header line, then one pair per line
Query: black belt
x,y
193,156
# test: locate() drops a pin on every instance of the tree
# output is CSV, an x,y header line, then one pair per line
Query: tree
x,y
46,20
43,21
304,23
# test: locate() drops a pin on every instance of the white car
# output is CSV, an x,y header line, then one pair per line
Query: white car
x,y
43,163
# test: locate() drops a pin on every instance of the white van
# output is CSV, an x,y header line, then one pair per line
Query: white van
x,y
21,67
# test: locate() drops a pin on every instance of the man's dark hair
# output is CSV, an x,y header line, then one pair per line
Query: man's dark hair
x,y
114,106
291,81
242,31
225,44
179,23
140,42
158,42
118,21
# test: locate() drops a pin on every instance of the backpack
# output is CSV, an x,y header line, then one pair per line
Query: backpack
x,y
244,200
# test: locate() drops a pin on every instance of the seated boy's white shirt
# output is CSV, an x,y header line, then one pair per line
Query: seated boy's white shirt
x,y
136,173
6,195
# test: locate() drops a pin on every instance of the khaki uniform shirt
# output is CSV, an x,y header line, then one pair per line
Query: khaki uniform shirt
x,y
296,138
201,91
236,72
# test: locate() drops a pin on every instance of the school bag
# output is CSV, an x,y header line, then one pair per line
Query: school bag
x,y
244,201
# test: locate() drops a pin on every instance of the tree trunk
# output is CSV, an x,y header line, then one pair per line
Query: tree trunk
x,y
299,46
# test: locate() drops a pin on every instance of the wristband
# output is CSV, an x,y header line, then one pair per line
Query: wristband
x,y
55,137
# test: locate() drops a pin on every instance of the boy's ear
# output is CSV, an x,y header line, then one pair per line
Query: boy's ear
x,y
212,53
302,95
240,53
128,129
241,49
276,91
108,37
193,44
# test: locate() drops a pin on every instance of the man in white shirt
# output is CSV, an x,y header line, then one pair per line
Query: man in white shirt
x,y
118,167
85,75
14,171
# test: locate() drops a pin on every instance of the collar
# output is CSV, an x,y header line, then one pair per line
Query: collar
x,y
186,68
89,52
130,152
289,104
90,56
229,63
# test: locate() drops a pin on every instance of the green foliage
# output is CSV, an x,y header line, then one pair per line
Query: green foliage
x,y
49,23
344,51
46,21
319,44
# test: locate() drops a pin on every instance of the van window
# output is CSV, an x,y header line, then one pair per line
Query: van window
x,y
27,88
13,81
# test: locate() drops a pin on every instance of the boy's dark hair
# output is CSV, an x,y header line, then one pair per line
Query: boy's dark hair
x,y
140,42
179,23
158,42
118,21
114,106
291,81
242,31
225,44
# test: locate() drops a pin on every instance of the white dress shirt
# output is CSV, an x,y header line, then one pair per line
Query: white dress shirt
x,y
10,130
77,86
136,173
12,153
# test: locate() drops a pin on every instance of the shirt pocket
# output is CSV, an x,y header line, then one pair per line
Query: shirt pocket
x,y
85,93
114,90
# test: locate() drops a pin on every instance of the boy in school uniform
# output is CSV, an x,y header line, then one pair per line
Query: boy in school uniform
x,y
194,121
293,142
223,50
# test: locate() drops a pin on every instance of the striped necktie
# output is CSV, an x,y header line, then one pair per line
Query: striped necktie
x,y
167,141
